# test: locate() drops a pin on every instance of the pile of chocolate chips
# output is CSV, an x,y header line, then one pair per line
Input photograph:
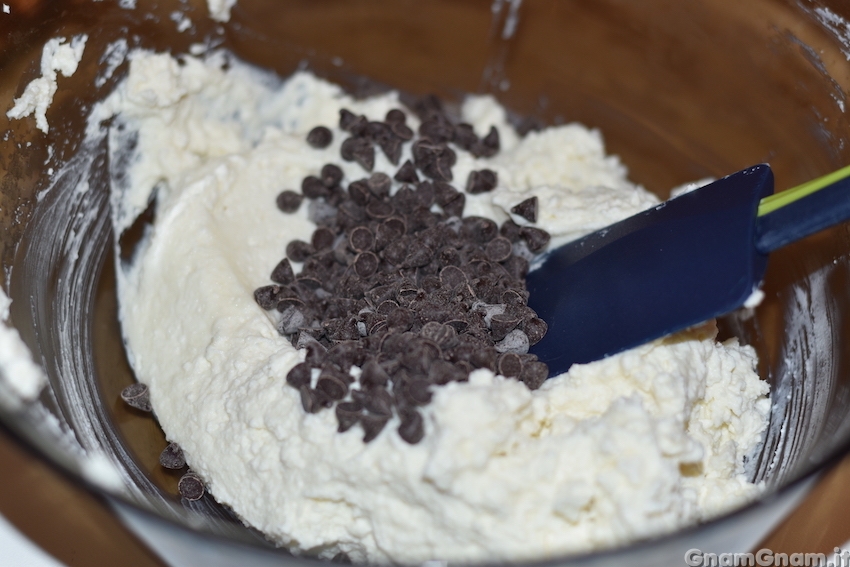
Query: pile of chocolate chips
x,y
399,284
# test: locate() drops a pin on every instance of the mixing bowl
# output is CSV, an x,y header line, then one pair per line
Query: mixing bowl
x,y
681,91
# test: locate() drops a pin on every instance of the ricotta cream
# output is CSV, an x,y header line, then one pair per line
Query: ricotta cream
x,y
58,56
624,448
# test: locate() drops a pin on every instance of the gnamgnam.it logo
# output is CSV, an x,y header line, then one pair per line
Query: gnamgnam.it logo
x,y
765,558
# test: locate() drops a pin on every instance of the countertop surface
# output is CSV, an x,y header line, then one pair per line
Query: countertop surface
x,y
76,529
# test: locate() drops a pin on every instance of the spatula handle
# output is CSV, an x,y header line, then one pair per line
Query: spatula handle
x,y
820,207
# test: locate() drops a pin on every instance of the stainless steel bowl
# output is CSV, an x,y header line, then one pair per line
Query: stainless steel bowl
x,y
681,90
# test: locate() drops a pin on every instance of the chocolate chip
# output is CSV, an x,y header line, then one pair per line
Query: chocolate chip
x,y
404,200
386,307
425,194
510,230
527,209
346,117
419,354
316,351
190,486
308,282
524,312
417,255
510,365
459,325
421,219
441,169
313,188
407,173
380,184
316,399
331,175
373,375
490,143
442,372
366,264
172,457
346,354
359,150
395,116
534,374
434,310
267,296
341,328
380,293
465,136
437,128
435,160
398,343
401,131
300,375
512,297
448,256
391,146
320,137
452,277
418,391
481,181
308,400
361,239
352,122
444,192
455,207
478,229
377,401
395,252
429,282
137,396
288,201
281,274
536,238
351,213
394,227
502,324
336,196
535,329
379,209
341,557
359,192
372,426
484,357
399,320
285,303
442,334
499,249
347,415
322,239
332,383
376,130
412,428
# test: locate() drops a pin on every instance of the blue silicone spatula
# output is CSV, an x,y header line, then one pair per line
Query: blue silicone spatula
x,y
683,262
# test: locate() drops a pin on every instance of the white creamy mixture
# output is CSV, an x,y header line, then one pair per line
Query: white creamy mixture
x,y
631,446
57,57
